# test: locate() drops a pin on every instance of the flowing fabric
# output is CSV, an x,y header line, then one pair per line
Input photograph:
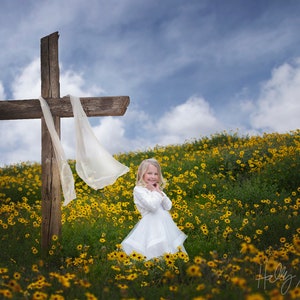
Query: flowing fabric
x,y
65,172
96,166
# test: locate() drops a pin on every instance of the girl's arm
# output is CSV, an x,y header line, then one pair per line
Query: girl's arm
x,y
166,202
150,200
146,199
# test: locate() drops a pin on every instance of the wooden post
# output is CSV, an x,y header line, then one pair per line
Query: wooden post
x,y
51,190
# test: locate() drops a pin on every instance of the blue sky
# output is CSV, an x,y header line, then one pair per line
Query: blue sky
x,y
192,68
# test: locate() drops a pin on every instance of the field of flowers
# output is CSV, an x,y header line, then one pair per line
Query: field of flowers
x,y
237,199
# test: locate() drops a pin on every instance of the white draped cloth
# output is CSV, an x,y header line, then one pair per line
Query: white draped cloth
x,y
65,172
94,164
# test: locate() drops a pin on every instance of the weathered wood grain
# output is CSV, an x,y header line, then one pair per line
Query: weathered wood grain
x,y
51,188
93,106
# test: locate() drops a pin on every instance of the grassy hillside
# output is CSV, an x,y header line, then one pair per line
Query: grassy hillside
x,y
237,199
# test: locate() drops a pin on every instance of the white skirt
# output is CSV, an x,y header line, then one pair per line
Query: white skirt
x,y
154,235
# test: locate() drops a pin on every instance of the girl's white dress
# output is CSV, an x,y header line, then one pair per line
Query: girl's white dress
x,y
156,233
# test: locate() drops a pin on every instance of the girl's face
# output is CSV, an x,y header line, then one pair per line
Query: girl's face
x,y
151,176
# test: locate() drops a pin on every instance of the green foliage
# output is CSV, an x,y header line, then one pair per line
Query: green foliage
x,y
237,199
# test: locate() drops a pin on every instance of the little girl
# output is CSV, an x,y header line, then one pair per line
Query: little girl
x,y
156,233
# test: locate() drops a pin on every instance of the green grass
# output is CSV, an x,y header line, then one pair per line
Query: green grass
x,y
237,199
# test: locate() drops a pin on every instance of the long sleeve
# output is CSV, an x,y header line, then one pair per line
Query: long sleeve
x,y
149,201
166,202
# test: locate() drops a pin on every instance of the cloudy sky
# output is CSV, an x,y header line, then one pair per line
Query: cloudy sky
x,y
192,68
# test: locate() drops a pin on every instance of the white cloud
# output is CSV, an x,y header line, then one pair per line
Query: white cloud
x,y
189,120
74,84
2,93
278,106
21,141
23,137
27,85
111,134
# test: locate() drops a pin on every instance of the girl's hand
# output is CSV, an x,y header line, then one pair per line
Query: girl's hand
x,y
150,187
154,187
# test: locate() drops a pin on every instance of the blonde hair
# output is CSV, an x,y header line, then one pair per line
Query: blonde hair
x,y
143,169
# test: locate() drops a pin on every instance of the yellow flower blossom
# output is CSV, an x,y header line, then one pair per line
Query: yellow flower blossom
x,y
194,271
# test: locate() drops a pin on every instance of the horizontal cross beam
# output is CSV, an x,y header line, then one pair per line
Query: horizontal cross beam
x,y
93,106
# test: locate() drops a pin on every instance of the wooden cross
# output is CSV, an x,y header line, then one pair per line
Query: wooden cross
x,y
60,107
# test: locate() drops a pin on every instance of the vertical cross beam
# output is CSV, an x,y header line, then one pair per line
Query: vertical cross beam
x,y
51,190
